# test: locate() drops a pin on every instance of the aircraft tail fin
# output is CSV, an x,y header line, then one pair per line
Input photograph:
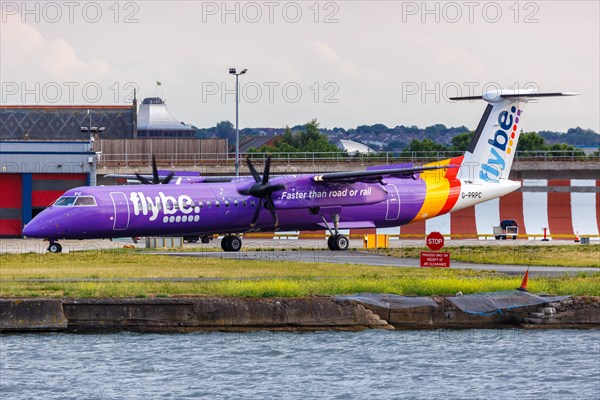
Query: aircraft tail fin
x,y
490,154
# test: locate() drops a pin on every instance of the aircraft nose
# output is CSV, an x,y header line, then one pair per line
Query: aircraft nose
x,y
39,228
32,229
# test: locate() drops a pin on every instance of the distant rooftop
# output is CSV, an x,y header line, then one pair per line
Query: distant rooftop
x,y
256,142
154,116
52,122
352,147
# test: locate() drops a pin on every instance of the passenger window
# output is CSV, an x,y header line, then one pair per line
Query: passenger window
x,y
208,204
244,204
217,204
201,204
252,203
236,203
226,203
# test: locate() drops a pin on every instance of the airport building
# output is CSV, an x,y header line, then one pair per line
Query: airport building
x,y
154,121
354,148
50,122
65,122
33,174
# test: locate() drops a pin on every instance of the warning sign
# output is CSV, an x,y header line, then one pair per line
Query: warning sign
x,y
435,259
435,241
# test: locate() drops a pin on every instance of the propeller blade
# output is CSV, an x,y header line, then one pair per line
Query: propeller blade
x,y
262,190
265,178
256,213
155,177
271,208
143,180
253,170
168,178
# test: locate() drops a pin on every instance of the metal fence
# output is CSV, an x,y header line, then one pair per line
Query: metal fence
x,y
222,158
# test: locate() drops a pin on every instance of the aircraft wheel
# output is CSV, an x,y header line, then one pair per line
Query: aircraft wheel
x,y
231,243
225,243
341,242
330,243
205,239
235,243
55,248
338,242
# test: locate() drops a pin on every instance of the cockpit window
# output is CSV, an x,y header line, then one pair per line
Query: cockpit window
x,y
69,201
85,201
65,201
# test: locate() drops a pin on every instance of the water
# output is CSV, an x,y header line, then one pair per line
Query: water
x,y
468,364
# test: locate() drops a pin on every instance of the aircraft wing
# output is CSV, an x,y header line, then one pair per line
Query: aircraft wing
x,y
374,175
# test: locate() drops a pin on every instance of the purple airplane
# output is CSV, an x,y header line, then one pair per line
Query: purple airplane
x,y
383,196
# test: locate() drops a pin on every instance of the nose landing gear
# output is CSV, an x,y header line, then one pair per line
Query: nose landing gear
x,y
54,247
337,241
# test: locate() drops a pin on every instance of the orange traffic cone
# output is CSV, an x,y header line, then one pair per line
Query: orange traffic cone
x,y
524,282
577,240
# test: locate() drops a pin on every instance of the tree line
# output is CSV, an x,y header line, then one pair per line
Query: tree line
x,y
311,138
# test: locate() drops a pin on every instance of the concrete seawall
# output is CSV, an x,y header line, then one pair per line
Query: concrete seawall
x,y
32,314
277,314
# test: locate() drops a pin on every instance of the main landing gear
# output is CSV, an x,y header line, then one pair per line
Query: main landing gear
x,y
231,243
337,241
54,247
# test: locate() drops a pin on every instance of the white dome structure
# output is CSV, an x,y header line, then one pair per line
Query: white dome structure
x,y
352,148
154,119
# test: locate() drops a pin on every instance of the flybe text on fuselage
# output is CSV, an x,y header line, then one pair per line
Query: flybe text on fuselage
x,y
501,145
169,205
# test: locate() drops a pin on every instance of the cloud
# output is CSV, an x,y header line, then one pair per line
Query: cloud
x,y
26,54
326,53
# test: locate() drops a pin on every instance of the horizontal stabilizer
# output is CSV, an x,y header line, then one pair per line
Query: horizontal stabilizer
x,y
494,96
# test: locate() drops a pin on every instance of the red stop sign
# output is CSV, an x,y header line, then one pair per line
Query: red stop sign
x,y
435,241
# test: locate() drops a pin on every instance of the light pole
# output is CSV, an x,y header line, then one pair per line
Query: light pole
x,y
92,130
233,71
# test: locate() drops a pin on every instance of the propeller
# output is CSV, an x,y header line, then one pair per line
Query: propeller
x,y
156,180
263,190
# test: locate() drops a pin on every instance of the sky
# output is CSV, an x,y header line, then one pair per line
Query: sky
x,y
344,63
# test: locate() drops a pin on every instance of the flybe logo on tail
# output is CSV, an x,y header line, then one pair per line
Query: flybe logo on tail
x,y
504,142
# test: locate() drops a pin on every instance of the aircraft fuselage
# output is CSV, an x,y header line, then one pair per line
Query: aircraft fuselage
x,y
213,208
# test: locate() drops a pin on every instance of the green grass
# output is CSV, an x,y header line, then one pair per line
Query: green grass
x,y
250,278
518,254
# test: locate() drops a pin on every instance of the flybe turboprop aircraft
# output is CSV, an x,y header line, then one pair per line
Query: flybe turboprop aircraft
x,y
382,196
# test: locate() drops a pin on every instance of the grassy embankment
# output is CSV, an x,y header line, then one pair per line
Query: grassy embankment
x,y
518,254
260,278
